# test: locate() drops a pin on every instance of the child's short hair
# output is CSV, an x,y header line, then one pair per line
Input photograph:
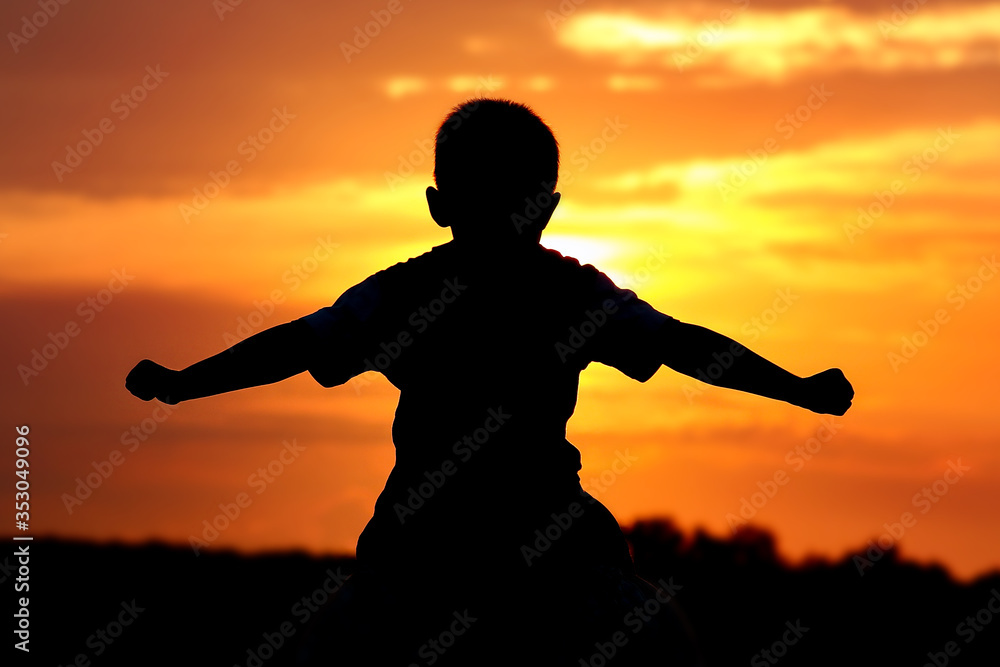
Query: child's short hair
x,y
495,149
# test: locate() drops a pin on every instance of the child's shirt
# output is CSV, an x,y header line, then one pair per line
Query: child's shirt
x,y
487,354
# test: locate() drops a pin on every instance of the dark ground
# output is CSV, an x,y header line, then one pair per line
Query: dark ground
x,y
219,608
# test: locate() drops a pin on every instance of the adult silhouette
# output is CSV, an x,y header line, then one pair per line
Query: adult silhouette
x,y
483,547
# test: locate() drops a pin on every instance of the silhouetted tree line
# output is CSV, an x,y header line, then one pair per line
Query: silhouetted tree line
x,y
161,605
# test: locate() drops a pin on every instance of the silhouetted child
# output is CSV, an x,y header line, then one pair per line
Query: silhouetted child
x,y
483,548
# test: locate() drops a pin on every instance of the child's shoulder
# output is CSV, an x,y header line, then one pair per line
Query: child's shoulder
x,y
541,264
424,261
570,271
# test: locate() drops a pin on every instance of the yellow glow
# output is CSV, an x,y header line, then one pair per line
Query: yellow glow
x,y
539,83
404,85
588,251
774,46
474,83
623,82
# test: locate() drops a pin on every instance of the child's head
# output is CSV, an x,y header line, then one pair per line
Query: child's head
x,y
490,155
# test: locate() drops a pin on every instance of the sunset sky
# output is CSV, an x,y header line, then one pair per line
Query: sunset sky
x,y
820,176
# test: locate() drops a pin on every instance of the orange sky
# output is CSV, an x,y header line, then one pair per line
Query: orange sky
x,y
739,139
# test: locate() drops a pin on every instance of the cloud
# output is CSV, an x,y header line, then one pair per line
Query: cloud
x,y
404,85
845,167
150,237
626,82
727,45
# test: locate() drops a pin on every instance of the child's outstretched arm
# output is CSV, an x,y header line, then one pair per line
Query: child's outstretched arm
x,y
269,356
702,353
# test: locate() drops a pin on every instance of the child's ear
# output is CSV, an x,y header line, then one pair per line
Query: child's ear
x,y
436,205
556,197
547,211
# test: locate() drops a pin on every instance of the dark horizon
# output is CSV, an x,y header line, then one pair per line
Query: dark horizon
x,y
689,537
735,594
